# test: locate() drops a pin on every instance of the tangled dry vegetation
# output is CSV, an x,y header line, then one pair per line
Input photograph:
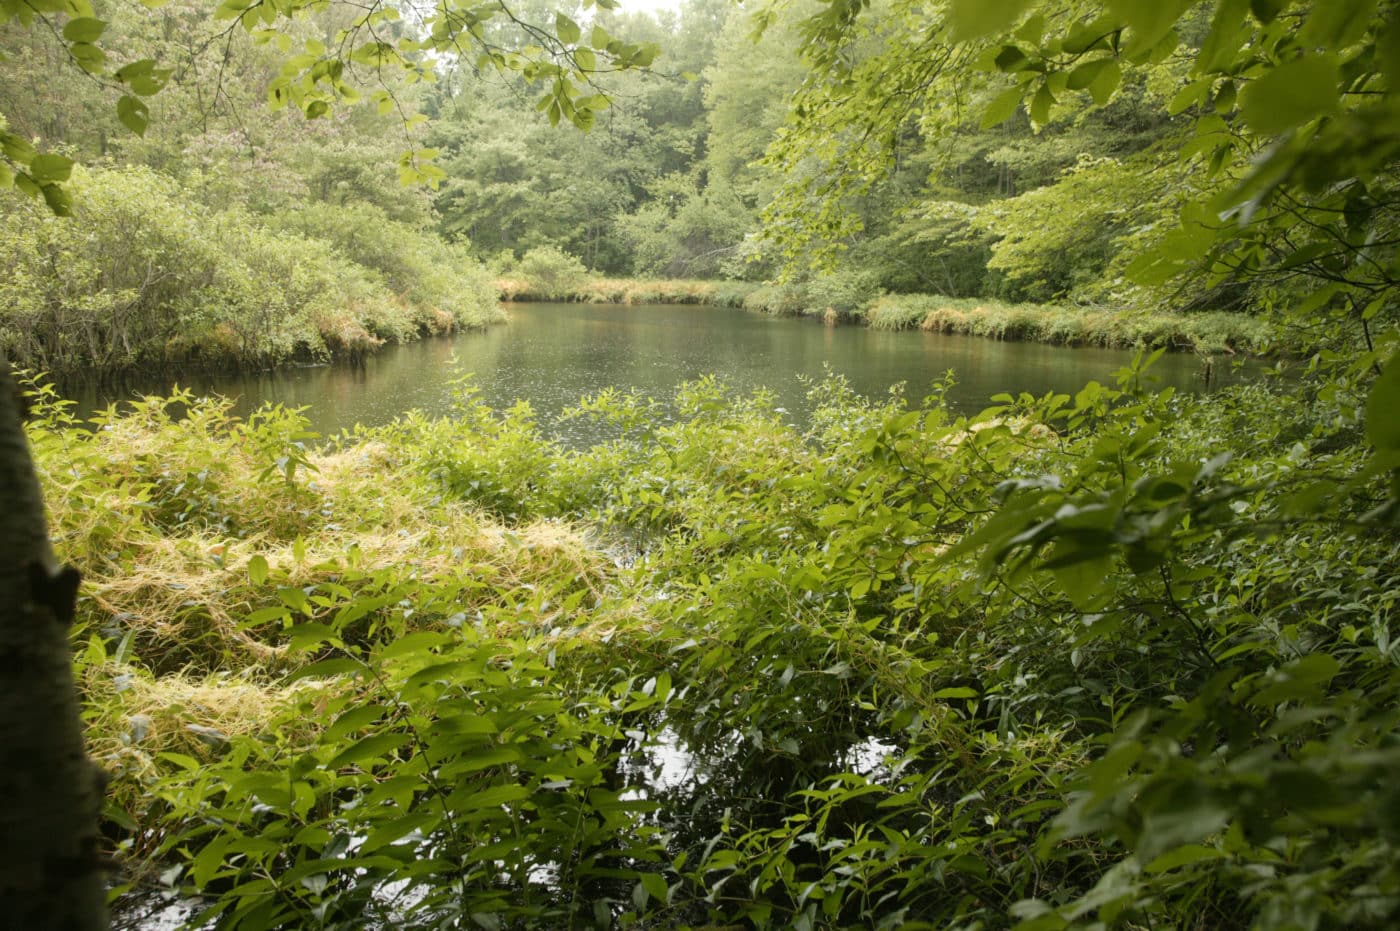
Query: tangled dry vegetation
x,y
201,537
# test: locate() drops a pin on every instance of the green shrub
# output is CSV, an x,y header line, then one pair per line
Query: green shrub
x,y
551,273
105,288
430,275
142,276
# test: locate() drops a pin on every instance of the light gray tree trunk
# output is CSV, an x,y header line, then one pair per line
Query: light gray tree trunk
x,y
50,792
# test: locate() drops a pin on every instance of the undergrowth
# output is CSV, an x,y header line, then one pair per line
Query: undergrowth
x,y
1120,659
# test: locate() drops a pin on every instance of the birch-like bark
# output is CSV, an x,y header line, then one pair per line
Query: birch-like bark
x,y
50,792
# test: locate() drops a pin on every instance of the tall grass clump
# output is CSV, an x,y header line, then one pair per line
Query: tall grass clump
x,y
1072,326
662,291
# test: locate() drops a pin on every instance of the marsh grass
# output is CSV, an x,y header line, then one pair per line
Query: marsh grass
x,y
135,722
1206,332
849,299
630,291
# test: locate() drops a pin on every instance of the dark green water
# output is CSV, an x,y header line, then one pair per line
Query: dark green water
x,y
553,354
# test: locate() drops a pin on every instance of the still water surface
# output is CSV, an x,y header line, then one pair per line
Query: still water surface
x,y
554,354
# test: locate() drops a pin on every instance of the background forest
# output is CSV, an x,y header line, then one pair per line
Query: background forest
x,y
228,234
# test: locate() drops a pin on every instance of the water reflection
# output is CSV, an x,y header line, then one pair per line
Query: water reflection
x,y
554,354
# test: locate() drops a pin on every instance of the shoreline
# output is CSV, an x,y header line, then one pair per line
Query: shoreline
x,y
1206,332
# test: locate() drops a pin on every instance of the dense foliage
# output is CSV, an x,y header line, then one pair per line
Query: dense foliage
x,y
140,275
698,169
1116,659
427,671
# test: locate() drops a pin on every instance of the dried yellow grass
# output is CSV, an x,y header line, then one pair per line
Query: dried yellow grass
x,y
185,599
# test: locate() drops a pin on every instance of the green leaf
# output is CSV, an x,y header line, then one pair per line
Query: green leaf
x,y
83,29
353,720
28,185
328,668
1299,680
1383,407
1183,856
134,114
58,199
655,885
1189,96
17,148
1082,573
1291,94
495,796
1083,76
1183,814
89,57
475,762
47,168
1040,105
1223,41
566,29
143,77
1011,59
1106,82
1149,21
1266,11
397,829
263,616
1002,108
367,750
972,19
1337,23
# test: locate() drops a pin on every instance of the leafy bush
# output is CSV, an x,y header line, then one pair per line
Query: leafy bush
x,y
426,272
106,287
841,293
845,291
682,232
143,276
550,274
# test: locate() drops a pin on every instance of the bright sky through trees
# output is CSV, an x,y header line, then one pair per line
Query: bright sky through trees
x,y
650,6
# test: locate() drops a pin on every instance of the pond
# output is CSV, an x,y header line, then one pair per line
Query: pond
x,y
554,354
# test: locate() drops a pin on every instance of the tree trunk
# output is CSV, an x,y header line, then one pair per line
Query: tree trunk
x,y
50,792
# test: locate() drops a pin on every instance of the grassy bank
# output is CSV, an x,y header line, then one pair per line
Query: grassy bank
x,y
1071,326
1206,332
425,668
629,291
